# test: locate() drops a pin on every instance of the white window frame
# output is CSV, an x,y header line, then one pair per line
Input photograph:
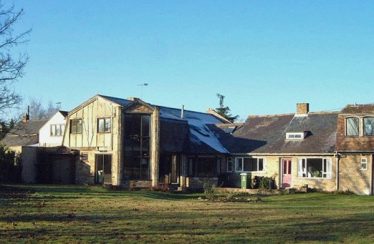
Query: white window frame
x,y
295,135
364,125
53,130
326,168
358,128
364,161
230,165
240,160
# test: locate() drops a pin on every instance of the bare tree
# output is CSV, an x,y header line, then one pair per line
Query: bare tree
x,y
38,111
11,65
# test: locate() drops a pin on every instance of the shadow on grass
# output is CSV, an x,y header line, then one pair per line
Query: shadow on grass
x,y
73,191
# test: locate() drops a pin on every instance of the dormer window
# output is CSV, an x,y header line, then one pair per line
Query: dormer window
x,y
369,126
352,126
295,135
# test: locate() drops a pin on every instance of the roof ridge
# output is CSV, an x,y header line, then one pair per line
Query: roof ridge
x,y
105,96
289,114
186,110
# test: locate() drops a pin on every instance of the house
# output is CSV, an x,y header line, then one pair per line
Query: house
x,y
51,133
294,149
330,151
25,133
128,142
355,145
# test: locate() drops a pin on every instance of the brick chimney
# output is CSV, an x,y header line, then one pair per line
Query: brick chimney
x,y
302,109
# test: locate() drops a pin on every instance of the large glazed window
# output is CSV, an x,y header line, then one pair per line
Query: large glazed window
x,y
137,147
352,126
369,126
249,164
315,168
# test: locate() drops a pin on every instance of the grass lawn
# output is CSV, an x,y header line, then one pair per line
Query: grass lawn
x,y
74,214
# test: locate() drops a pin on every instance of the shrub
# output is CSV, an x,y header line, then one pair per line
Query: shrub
x,y
261,182
209,190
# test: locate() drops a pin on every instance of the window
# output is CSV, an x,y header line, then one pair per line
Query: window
x,y
104,125
76,126
137,146
295,136
364,164
238,164
230,165
249,164
57,130
315,168
369,126
352,126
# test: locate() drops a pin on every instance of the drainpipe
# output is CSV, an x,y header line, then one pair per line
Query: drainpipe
x,y
337,178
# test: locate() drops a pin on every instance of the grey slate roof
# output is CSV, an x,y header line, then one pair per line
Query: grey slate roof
x,y
267,134
24,134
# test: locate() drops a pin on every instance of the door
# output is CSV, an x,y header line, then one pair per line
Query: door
x,y
103,169
286,173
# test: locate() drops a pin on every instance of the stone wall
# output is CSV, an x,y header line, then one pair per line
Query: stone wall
x,y
352,177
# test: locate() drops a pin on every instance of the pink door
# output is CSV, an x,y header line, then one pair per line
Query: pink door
x,y
286,173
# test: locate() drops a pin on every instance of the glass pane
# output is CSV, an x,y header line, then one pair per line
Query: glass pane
x,y
101,125
285,167
79,126
314,168
108,125
260,164
239,164
289,167
250,164
58,130
145,125
53,130
369,126
352,127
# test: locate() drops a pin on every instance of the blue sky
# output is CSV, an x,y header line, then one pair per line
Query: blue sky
x,y
264,56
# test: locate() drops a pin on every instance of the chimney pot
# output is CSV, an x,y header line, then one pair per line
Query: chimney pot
x,y
302,108
182,112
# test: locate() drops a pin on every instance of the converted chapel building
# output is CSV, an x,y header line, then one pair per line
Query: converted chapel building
x,y
135,144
